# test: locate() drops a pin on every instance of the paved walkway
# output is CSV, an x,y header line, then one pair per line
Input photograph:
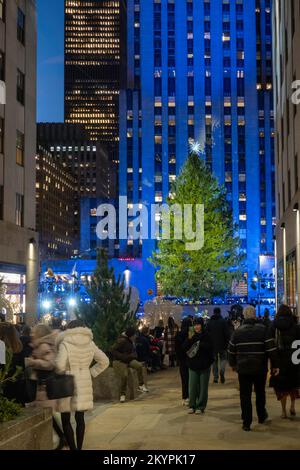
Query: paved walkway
x,y
158,421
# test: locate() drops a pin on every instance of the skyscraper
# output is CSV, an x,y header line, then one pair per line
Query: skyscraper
x,y
201,71
85,159
18,238
286,42
93,65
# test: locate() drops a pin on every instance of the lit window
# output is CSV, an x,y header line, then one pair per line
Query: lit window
x,y
20,148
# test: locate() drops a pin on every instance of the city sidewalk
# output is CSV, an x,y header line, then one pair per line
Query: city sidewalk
x,y
158,421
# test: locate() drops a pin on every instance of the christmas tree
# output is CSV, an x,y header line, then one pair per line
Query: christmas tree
x,y
208,270
108,314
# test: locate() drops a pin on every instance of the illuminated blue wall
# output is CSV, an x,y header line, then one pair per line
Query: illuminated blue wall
x,y
139,273
197,72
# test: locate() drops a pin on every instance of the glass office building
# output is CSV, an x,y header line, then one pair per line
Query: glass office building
x,y
93,63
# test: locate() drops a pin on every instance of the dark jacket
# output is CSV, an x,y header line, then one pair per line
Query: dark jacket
x,y
158,331
180,339
285,331
219,331
19,358
143,344
205,356
250,347
124,350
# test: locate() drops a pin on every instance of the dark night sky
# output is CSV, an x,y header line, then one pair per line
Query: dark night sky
x,y
50,92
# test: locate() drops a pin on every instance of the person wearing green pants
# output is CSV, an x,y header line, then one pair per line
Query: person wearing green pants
x,y
199,349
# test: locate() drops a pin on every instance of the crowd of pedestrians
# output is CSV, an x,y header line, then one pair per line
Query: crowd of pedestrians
x,y
58,362
253,347
67,361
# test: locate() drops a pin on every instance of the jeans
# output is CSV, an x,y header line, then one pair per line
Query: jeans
x,y
246,385
184,374
198,388
122,371
222,355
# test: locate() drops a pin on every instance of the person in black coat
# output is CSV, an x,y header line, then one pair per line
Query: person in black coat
x,y
285,331
143,347
181,356
220,334
199,349
25,339
248,353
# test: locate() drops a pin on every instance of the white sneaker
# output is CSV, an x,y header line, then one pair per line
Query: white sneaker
x,y
143,389
122,399
191,411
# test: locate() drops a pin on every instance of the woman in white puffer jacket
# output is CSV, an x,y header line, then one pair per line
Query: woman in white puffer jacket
x,y
76,352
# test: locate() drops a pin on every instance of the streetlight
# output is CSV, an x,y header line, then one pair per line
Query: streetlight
x,y
46,305
72,302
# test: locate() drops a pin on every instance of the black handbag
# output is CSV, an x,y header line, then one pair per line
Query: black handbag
x,y
59,386
27,385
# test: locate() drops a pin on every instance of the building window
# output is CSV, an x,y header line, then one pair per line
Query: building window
x,y
2,66
20,86
1,135
19,210
21,26
2,10
1,203
20,149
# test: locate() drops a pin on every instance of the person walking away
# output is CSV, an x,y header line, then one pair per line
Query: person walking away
x,y
285,331
249,349
181,356
199,363
171,331
159,336
25,339
159,329
125,357
143,348
11,348
42,362
266,318
76,353
219,331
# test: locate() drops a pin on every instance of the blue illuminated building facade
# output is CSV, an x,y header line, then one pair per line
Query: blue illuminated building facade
x,y
201,70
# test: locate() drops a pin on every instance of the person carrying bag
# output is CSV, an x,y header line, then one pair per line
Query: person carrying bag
x,y
76,352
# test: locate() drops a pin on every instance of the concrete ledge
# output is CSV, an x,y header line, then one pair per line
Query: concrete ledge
x,y
30,431
106,386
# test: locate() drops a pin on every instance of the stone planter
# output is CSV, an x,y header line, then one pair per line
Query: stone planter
x,y
32,430
106,385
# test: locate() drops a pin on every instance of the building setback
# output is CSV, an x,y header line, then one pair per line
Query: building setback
x,y
18,238
55,190
201,71
94,61
286,27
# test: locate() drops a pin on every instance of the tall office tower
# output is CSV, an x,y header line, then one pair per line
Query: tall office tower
x,y
55,198
94,36
201,71
286,27
86,160
18,239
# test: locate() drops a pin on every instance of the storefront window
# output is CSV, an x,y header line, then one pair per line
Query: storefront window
x,y
280,283
14,287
